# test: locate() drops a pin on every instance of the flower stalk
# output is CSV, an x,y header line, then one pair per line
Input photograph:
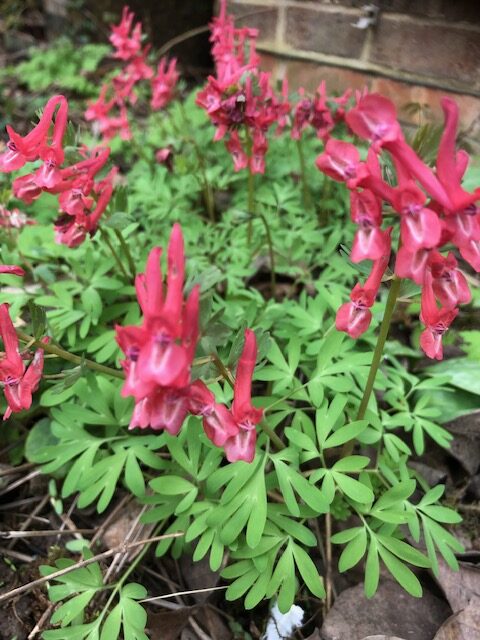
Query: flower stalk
x,y
114,253
377,355
306,195
70,357
382,337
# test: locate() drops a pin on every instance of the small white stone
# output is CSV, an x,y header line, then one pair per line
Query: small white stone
x,y
282,625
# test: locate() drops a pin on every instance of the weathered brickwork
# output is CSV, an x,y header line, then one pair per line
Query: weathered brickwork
x,y
423,47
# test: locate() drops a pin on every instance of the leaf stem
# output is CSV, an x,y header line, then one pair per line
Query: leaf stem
x,y
207,187
126,251
250,186
382,337
306,195
114,253
273,280
70,357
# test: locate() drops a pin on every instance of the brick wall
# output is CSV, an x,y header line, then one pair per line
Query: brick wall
x,y
415,52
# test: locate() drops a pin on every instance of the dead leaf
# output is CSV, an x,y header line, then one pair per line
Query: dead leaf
x,y
390,612
198,575
168,625
465,446
463,625
213,622
460,587
118,530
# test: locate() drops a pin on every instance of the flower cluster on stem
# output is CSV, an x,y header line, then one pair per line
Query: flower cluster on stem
x,y
81,198
18,380
239,99
159,355
110,115
434,212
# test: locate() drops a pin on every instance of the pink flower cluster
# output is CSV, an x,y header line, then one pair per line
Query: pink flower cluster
x,y
14,218
110,117
18,381
317,113
81,199
159,355
239,99
434,211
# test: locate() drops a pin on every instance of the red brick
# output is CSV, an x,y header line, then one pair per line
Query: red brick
x,y
262,17
324,32
454,10
433,51
309,74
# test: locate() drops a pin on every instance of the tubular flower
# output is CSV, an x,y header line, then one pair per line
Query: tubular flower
x,y
234,429
21,150
370,242
374,118
313,112
14,218
126,44
436,321
82,200
354,317
239,99
109,117
11,269
164,83
159,353
434,210
19,382
341,161
420,227
449,284
242,445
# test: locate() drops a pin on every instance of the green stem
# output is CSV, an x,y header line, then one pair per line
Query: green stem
x,y
382,337
126,251
377,355
273,281
70,357
135,562
306,195
207,187
251,187
114,253
323,211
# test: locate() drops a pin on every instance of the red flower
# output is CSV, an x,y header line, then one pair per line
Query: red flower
x,y
126,44
341,161
374,118
450,165
164,83
159,353
449,284
19,382
436,321
28,148
412,263
370,242
233,430
11,269
354,317
242,445
14,219
420,227
218,422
